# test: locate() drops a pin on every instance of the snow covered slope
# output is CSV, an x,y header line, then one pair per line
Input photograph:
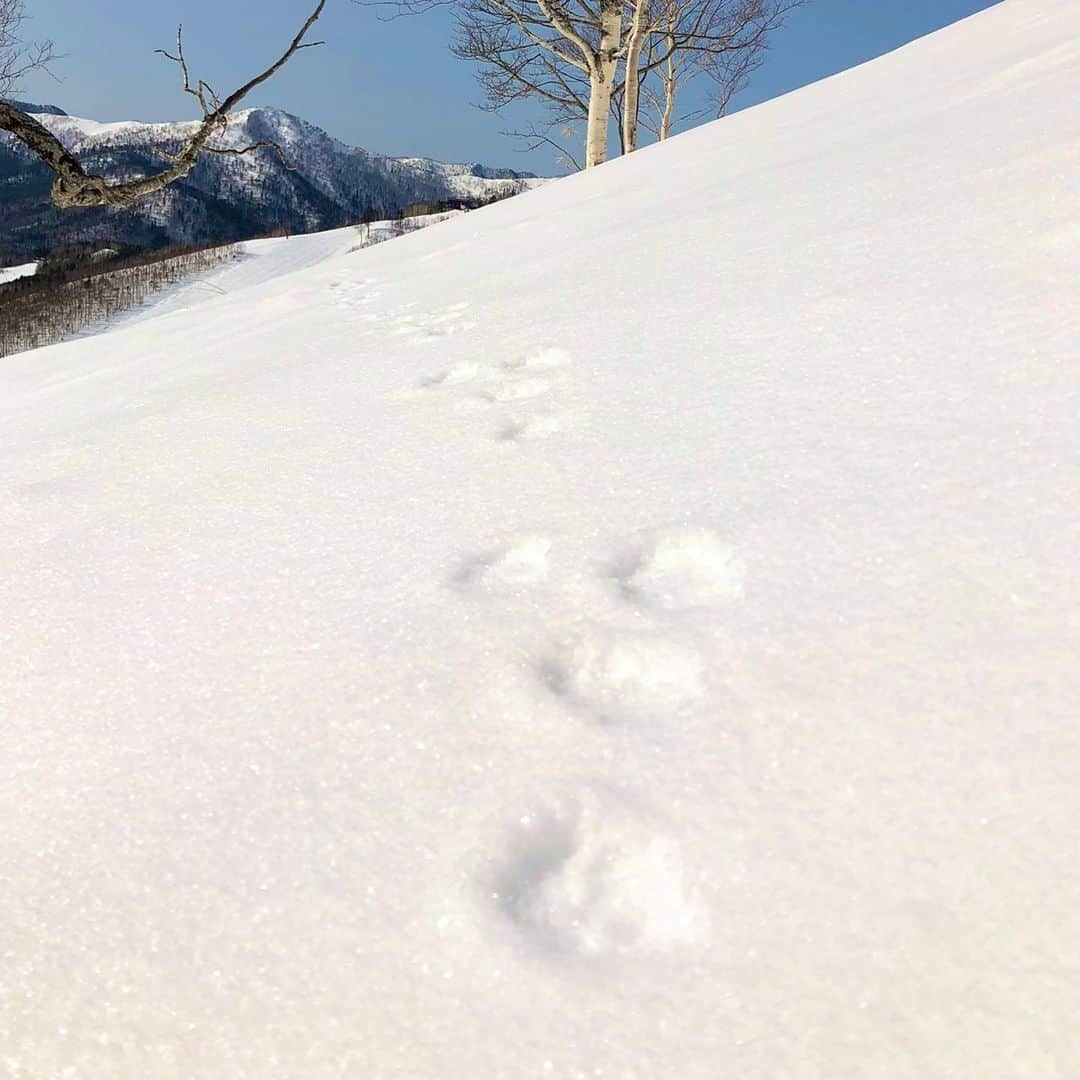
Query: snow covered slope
x,y
629,631
13,273
263,261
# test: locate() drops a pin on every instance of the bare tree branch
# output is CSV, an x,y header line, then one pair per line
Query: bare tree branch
x,y
75,187
17,57
589,61
724,39
200,90
534,139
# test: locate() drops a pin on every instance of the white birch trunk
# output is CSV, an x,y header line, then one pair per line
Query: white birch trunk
x,y
601,81
596,132
671,82
632,101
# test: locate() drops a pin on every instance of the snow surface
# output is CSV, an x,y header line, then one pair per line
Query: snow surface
x,y
262,261
629,631
13,273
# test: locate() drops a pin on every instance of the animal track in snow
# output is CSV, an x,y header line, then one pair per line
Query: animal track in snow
x,y
598,879
432,326
529,427
682,568
514,382
520,562
624,674
354,294
463,372
540,359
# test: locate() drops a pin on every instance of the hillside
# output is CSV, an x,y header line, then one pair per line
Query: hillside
x,y
226,198
13,273
628,631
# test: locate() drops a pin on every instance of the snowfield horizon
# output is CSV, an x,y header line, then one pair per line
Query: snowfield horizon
x,y
628,631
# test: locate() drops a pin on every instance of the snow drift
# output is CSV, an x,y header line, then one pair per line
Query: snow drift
x,y
629,631
13,273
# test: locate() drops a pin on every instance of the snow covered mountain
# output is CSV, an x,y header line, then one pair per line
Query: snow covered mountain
x,y
628,631
225,198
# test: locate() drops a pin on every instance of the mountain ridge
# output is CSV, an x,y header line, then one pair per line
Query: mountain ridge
x,y
322,183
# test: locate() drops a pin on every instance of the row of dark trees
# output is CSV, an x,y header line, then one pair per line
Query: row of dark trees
x,y
409,218
423,207
75,290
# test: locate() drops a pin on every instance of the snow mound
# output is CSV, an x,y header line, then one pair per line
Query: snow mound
x,y
618,673
539,426
598,879
518,562
464,372
13,273
683,568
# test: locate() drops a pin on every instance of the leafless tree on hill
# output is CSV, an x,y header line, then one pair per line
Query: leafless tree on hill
x,y
588,61
725,40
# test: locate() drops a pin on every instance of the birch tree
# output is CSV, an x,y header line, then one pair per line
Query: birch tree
x,y
589,61
672,41
563,52
641,27
73,186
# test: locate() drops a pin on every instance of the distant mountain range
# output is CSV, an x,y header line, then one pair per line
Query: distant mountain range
x,y
225,198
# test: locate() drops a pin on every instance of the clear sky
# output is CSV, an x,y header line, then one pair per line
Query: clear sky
x,y
391,87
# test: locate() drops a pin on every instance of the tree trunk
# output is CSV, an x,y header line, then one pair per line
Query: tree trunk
x,y
669,109
601,82
670,78
596,132
634,44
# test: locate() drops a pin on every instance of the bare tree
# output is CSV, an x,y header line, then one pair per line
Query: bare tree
x,y
563,52
730,71
73,185
672,41
660,92
18,58
589,61
642,26
661,84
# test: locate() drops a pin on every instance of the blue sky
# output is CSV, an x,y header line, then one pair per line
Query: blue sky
x,y
391,87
